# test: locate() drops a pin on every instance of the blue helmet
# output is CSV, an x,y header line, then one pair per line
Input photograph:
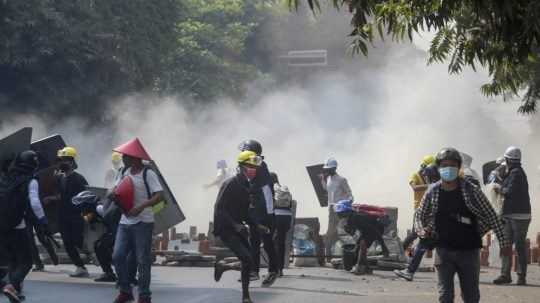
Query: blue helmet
x,y
343,206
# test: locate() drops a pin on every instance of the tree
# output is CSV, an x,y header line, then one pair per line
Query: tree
x,y
500,35
70,56
210,58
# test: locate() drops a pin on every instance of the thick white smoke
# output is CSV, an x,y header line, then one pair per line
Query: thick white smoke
x,y
378,117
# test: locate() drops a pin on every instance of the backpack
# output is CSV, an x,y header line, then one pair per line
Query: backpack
x,y
283,197
370,210
13,204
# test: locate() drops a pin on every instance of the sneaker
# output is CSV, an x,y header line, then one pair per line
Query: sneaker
x,y
106,277
270,279
80,272
280,274
521,280
405,274
124,298
247,300
502,280
11,293
219,269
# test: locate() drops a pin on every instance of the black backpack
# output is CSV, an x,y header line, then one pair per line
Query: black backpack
x,y
13,201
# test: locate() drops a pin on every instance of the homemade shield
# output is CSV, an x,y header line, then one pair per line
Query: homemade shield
x,y
48,186
314,172
13,144
47,149
167,213
124,193
487,169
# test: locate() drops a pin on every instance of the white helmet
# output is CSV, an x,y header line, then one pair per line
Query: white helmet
x,y
330,163
513,153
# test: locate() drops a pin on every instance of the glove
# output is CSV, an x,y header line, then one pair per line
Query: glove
x,y
42,227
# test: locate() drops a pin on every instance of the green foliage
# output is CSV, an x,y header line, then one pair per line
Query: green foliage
x,y
208,60
502,35
66,56
73,57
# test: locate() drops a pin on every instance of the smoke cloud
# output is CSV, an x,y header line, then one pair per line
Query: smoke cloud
x,y
377,116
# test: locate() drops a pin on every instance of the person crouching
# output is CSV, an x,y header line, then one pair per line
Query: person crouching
x,y
231,216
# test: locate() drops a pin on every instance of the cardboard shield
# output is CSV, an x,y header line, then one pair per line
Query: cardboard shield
x,y
487,169
13,144
314,173
167,213
125,192
48,186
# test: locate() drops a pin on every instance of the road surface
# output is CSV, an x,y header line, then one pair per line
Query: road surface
x,y
301,285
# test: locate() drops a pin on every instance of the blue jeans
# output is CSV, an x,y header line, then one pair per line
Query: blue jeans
x,y
135,238
423,246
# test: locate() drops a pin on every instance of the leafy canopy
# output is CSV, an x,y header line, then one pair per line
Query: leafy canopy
x,y
500,35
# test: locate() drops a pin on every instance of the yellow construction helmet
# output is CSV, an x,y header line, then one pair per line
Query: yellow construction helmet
x,y
428,160
250,158
67,152
116,157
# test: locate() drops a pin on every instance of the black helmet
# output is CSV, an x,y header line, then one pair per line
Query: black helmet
x,y
448,153
26,162
251,145
27,159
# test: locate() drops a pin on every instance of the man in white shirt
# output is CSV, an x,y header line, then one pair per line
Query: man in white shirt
x,y
338,189
136,225
15,250
222,175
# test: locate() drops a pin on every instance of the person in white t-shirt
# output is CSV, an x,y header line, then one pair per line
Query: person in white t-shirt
x,y
223,174
136,226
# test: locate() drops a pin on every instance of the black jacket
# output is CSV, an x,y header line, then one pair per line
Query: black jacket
x,y
232,205
515,189
70,186
258,213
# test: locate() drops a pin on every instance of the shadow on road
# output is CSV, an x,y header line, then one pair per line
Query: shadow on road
x,y
511,285
316,278
320,291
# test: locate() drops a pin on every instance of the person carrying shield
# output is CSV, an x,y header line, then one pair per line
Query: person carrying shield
x,y
137,222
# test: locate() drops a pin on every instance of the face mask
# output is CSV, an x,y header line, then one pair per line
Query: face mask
x,y
65,166
250,172
448,174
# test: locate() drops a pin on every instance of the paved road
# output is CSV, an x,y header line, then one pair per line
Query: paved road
x,y
307,285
